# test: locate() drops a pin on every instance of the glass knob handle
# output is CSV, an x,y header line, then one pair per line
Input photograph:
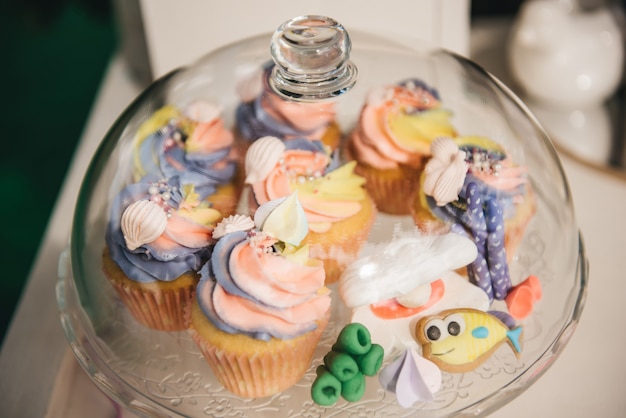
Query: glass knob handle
x,y
311,54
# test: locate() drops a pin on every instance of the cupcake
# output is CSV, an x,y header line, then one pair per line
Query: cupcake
x,y
339,211
392,140
472,187
262,112
194,145
261,305
157,238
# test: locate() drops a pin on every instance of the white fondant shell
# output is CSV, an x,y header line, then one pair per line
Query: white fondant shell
x,y
142,222
262,157
231,224
443,148
445,172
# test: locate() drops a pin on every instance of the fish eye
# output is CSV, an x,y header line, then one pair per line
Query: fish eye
x,y
433,333
454,328
455,324
435,330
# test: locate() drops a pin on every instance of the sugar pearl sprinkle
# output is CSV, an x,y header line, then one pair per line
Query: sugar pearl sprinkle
x,y
482,161
301,178
161,194
257,240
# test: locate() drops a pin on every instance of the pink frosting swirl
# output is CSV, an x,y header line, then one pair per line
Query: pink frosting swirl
x,y
326,197
260,292
397,124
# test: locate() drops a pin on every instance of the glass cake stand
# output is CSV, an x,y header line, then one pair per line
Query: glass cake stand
x,y
155,373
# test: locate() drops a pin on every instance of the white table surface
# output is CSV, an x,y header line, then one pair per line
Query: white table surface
x,y
39,377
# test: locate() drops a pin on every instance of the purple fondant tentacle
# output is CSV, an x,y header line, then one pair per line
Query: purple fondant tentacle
x,y
479,274
496,252
475,221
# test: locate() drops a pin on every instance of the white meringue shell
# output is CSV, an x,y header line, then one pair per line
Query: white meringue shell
x,y
286,221
263,211
203,111
233,223
142,222
262,157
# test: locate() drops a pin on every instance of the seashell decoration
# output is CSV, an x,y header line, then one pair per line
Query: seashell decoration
x,y
233,223
444,148
445,171
142,222
262,157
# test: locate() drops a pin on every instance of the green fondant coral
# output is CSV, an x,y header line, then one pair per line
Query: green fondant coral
x,y
326,388
353,389
343,373
370,362
354,339
342,365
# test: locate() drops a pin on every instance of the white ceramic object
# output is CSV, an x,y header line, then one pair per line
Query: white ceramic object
x,y
564,56
585,132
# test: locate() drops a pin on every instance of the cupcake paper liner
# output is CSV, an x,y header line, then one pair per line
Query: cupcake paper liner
x,y
250,372
393,190
157,305
160,310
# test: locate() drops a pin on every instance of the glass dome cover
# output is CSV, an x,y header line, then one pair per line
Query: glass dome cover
x,y
163,373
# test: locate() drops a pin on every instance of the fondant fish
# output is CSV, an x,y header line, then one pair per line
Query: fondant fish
x,y
459,340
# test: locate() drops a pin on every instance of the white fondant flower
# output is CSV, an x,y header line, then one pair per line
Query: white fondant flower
x,y
233,223
142,222
262,157
445,171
